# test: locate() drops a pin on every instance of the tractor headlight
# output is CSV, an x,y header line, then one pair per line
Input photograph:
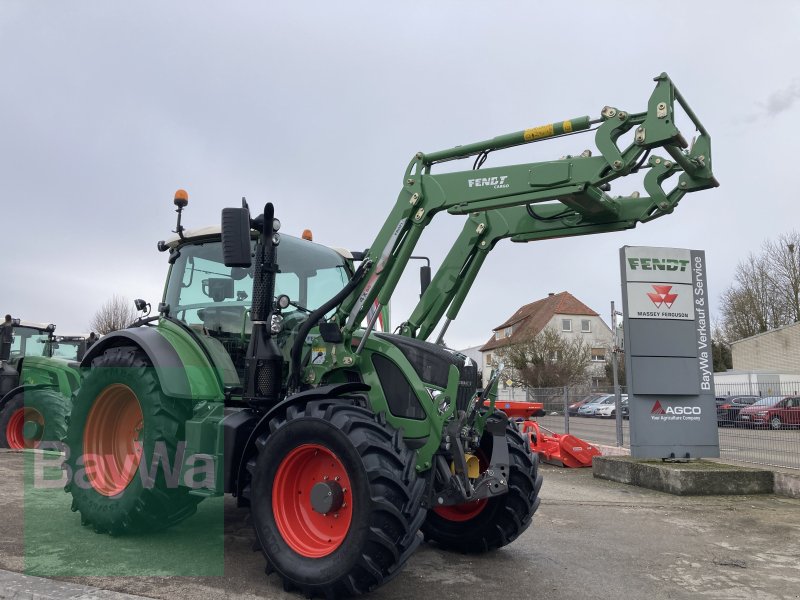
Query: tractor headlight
x,y
277,324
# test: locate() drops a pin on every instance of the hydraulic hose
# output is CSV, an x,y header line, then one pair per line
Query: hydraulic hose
x,y
314,318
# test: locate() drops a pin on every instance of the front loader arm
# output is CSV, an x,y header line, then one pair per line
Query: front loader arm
x,y
454,278
567,196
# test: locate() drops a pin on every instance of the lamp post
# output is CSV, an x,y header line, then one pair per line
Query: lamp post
x,y
794,281
615,370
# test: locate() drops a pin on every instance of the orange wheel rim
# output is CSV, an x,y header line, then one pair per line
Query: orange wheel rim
x,y
15,430
111,440
304,528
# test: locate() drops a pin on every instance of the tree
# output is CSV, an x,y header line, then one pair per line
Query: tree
x,y
765,293
609,367
117,313
721,352
782,256
546,360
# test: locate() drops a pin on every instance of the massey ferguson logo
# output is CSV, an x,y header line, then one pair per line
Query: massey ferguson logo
x,y
675,413
662,297
493,182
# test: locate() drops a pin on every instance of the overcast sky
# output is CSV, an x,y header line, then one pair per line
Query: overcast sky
x,y
108,107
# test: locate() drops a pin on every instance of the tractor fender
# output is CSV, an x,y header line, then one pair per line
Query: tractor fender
x,y
236,462
171,371
21,388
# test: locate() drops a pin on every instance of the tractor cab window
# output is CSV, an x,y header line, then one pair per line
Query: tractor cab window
x,y
67,349
203,292
29,342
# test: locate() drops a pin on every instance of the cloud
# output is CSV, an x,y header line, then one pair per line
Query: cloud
x,y
778,102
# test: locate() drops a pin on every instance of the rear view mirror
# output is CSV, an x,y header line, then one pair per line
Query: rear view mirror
x,y
424,278
236,237
218,289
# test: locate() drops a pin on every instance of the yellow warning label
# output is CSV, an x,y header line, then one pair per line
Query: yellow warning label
x,y
318,355
535,133
567,126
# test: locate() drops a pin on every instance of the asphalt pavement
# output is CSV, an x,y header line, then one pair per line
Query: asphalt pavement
x,y
590,539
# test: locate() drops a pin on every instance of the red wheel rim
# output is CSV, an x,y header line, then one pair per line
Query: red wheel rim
x,y
468,510
15,435
306,531
462,512
111,445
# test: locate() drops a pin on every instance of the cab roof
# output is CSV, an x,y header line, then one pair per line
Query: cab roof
x,y
34,325
216,231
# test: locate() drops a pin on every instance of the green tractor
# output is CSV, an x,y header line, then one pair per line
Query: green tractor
x,y
264,368
36,385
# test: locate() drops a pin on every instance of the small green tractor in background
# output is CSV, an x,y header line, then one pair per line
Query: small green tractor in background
x,y
262,374
36,385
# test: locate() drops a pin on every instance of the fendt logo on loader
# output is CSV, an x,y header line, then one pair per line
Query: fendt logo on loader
x,y
493,182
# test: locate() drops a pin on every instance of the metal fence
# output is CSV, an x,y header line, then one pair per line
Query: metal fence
x,y
758,423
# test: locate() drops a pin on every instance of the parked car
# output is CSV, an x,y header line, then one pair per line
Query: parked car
x,y
587,410
608,408
773,411
728,408
572,409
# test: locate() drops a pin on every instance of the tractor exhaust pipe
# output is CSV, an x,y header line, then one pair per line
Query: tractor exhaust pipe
x,y
263,362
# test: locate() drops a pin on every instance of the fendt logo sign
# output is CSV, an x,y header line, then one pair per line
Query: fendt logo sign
x,y
657,264
659,283
675,413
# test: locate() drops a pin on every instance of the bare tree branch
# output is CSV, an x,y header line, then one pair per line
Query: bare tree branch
x,y
117,313
765,293
547,360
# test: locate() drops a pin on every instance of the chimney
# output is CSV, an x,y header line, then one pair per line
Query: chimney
x,y
551,294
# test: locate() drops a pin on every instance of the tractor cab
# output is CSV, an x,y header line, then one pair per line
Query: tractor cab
x,y
70,347
215,300
31,339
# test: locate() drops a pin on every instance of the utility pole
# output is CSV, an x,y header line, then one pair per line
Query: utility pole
x,y
615,370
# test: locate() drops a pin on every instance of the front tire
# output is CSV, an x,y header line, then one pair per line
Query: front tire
x,y
775,422
335,499
121,419
33,417
484,525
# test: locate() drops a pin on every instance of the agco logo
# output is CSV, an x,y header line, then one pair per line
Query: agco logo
x,y
493,182
686,413
661,296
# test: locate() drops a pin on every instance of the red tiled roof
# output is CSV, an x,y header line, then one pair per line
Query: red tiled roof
x,y
530,319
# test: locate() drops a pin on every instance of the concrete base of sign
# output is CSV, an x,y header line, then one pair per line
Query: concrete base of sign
x,y
695,478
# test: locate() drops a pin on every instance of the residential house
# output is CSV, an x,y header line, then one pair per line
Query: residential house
x,y
567,315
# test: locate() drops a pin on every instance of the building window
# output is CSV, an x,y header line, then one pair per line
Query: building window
x,y
508,331
598,354
566,324
497,335
488,358
586,326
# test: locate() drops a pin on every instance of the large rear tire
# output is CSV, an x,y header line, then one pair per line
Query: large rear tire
x,y
121,419
32,418
485,525
335,499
